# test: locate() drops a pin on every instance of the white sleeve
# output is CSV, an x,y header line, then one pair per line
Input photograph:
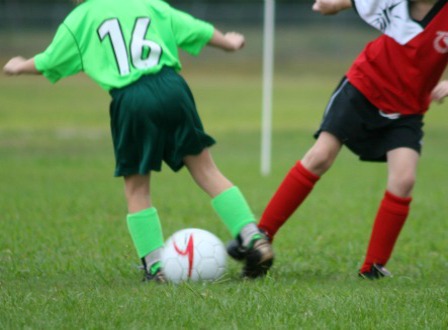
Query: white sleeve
x,y
391,17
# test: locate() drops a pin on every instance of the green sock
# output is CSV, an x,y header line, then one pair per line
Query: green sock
x,y
146,231
233,210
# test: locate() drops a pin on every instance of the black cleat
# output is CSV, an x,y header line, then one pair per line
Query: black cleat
x,y
259,258
236,250
157,277
376,272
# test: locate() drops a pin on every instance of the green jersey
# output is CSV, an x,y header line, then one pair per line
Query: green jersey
x,y
116,42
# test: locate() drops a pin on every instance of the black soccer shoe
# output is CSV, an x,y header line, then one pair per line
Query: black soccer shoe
x,y
236,250
375,273
158,277
258,259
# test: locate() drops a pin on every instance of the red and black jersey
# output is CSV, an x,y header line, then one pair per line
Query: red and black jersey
x,y
398,70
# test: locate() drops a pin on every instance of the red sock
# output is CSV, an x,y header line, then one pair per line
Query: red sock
x,y
290,194
389,220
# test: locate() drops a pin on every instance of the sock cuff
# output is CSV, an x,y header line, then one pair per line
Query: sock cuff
x,y
232,208
396,204
225,195
143,213
396,199
304,174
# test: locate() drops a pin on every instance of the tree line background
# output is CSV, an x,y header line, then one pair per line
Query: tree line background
x,y
16,14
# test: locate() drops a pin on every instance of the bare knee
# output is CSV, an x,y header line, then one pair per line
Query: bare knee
x,y
318,160
322,154
402,164
401,184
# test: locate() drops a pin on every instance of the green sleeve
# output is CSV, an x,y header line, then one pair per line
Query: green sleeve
x,y
62,58
191,34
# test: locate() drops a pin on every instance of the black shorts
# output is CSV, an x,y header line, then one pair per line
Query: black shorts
x,y
364,129
154,120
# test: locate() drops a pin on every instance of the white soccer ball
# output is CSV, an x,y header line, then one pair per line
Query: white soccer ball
x,y
193,254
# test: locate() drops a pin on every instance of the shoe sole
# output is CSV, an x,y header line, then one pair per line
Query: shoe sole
x,y
260,270
259,260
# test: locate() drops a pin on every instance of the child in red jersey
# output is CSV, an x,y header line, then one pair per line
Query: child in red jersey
x,y
377,112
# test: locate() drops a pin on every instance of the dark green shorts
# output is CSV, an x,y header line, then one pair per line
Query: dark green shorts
x,y
154,120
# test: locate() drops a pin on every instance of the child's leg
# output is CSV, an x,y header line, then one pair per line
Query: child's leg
x,y
206,174
232,208
394,207
227,200
143,222
299,182
136,188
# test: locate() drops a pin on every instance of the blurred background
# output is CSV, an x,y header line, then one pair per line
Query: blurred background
x,y
303,39
48,13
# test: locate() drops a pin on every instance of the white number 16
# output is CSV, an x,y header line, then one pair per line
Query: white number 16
x,y
144,53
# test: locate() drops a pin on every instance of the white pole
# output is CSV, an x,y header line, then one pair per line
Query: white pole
x,y
268,64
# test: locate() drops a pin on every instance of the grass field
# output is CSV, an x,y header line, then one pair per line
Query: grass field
x,y
67,262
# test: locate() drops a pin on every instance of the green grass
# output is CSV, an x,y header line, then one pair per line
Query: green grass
x,y
67,262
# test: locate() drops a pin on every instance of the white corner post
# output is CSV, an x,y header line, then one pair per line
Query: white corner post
x,y
268,68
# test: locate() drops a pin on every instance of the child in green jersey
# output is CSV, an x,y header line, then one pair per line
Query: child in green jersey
x,y
130,48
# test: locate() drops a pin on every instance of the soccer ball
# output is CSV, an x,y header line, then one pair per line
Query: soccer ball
x,y
193,254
